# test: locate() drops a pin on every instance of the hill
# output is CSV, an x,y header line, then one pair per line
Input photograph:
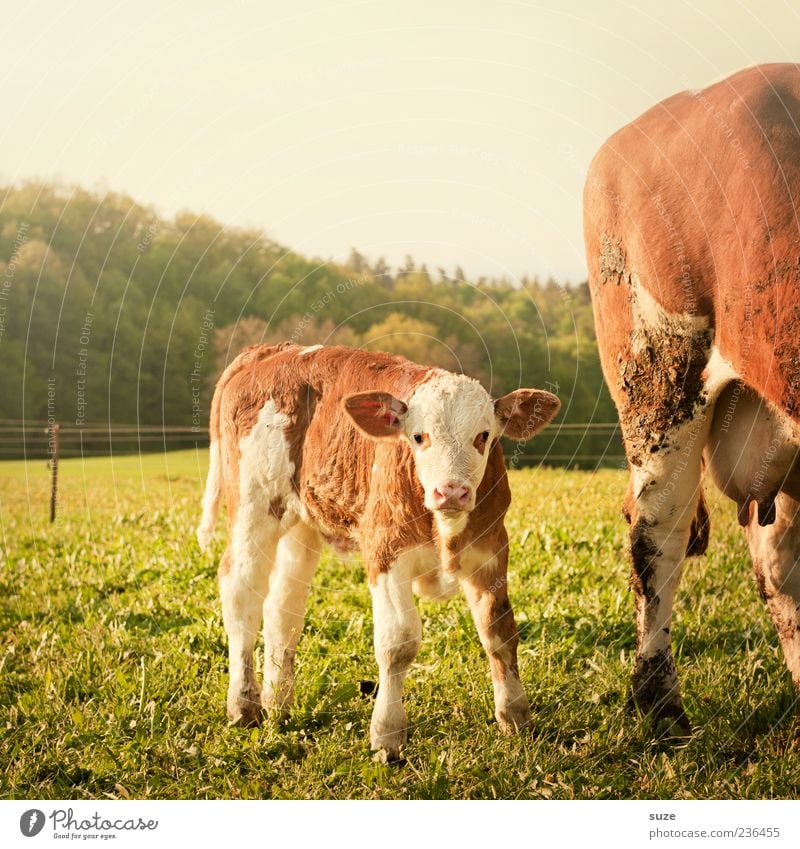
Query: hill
x,y
111,314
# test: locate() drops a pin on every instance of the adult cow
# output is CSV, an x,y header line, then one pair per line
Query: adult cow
x,y
693,245
369,451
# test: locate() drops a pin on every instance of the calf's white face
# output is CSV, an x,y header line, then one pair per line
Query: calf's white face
x,y
450,422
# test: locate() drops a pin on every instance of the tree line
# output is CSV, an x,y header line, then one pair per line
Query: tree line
x,y
112,314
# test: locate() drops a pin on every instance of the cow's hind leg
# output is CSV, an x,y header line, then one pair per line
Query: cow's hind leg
x,y
243,581
665,514
665,376
669,380
284,611
775,550
398,632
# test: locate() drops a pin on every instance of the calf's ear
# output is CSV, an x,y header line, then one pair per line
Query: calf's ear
x,y
376,414
524,412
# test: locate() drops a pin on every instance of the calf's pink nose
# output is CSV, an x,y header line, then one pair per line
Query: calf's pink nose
x,y
450,495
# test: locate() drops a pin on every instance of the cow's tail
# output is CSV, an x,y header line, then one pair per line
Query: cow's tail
x,y
213,493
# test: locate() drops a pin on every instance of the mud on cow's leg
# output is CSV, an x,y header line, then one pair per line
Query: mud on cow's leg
x,y
487,593
398,633
775,550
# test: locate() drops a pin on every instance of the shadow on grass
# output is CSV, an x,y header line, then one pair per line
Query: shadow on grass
x,y
579,632
153,624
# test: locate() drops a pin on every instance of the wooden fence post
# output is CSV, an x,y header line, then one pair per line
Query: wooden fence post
x,y
55,446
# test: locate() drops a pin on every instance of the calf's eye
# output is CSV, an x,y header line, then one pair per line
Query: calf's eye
x,y
480,441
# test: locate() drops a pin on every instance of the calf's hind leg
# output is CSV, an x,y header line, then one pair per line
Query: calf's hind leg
x,y
243,582
775,550
284,610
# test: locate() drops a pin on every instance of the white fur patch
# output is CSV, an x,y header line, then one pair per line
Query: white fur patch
x,y
265,464
717,374
284,610
266,468
309,349
450,525
452,410
665,487
650,318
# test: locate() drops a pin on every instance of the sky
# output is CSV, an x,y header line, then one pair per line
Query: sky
x,y
455,131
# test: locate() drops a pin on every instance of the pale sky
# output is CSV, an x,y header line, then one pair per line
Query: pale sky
x,y
457,131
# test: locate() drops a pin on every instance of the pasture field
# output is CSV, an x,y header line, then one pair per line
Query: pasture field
x,y
113,659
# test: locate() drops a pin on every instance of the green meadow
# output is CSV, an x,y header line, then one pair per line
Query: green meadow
x,y
113,659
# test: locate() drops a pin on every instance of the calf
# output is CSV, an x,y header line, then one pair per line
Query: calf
x,y
365,451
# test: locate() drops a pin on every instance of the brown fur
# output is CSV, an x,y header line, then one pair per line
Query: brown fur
x,y
535,406
699,197
496,621
355,482
487,591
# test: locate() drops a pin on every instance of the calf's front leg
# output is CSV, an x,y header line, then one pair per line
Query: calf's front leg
x,y
485,588
398,633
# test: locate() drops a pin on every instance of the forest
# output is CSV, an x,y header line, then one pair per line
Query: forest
x,y
112,315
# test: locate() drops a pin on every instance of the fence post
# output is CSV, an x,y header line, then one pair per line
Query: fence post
x,y
54,444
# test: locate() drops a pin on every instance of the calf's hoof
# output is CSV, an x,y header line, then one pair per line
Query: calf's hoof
x,y
277,704
514,717
386,741
389,758
387,747
245,711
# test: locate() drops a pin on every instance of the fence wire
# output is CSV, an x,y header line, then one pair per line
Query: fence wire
x,y
583,444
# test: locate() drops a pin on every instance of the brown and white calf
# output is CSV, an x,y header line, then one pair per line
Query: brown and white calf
x,y
368,451
692,226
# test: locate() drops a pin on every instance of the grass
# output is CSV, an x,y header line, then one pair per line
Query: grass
x,y
113,659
